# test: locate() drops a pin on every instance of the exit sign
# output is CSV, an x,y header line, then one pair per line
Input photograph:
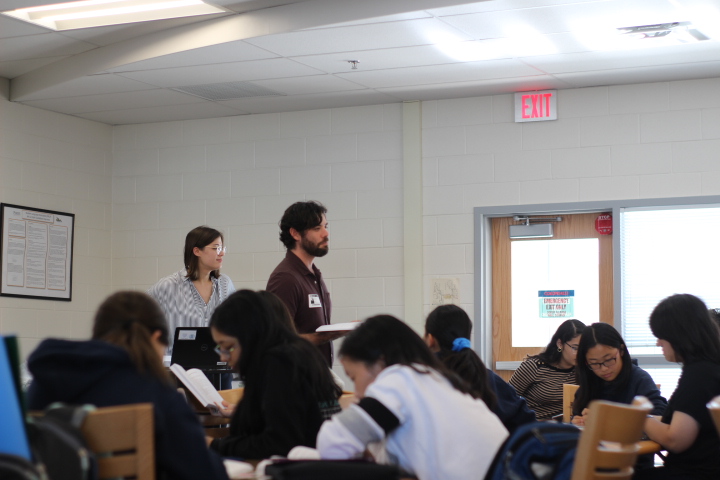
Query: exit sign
x,y
536,106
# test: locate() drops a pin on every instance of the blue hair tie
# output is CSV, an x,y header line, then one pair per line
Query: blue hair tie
x,y
460,344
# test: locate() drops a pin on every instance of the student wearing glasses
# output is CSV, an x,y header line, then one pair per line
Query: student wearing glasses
x,y
289,390
606,372
690,337
540,378
189,297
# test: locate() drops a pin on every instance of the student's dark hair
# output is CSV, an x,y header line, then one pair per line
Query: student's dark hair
x,y
446,324
199,237
128,319
387,339
278,307
590,384
683,321
253,321
567,330
300,216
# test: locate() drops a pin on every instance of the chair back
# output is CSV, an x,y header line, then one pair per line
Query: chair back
x,y
608,446
568,399
714,407
123,440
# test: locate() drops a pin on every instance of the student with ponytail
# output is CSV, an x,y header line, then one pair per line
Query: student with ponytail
x,y
121,365
447,333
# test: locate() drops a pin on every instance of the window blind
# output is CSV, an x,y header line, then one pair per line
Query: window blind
x,y
665,251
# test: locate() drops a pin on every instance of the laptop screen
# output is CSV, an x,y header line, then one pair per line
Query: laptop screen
x,y
194,348
14,438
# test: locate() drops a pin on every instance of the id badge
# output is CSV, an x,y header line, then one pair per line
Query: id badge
x,y
314,301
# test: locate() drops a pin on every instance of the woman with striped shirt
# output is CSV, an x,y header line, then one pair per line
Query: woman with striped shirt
x,y
540,378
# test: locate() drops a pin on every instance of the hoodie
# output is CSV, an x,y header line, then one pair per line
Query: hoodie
x,y
99,373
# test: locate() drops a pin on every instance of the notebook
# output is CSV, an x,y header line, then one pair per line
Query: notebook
x,y
194,348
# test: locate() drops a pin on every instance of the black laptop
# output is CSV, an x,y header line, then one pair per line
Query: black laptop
x,y
193,347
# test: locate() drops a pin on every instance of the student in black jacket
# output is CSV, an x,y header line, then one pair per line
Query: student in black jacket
x,y
289,390
122,365
447,333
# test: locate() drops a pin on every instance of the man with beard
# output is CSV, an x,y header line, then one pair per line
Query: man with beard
x,y
297,281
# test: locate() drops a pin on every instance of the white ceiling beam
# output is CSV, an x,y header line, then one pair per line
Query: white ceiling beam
x,y
282,19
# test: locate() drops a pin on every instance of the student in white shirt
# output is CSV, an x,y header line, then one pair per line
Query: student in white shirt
x,y
431,426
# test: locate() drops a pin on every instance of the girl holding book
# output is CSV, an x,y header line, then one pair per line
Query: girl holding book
x,y
289,390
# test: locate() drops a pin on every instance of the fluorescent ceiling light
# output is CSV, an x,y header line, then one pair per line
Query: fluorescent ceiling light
x,y
96,13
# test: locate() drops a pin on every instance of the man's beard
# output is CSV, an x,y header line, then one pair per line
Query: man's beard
x,y
313,249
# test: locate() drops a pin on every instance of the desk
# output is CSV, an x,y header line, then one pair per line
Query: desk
x,y
648,446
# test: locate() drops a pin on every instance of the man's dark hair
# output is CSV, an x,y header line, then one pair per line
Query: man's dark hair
x,y
300,216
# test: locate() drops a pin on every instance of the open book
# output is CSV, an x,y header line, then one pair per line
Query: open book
x,y
338,327
199,385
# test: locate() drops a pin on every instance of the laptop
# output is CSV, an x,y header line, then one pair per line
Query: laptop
x,y
194,347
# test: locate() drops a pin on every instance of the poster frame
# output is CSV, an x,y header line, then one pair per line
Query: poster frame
x,y
27,292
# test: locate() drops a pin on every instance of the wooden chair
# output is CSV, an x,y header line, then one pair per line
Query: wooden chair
x,y
714,407
568,399
608,446
123,439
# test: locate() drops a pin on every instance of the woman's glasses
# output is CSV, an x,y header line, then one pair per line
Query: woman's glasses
x,y
607,363
218,248
573,347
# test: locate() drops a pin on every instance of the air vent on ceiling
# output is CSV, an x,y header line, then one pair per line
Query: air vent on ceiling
x,y
228,91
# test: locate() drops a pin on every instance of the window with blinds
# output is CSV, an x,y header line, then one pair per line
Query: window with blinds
x,y
666,251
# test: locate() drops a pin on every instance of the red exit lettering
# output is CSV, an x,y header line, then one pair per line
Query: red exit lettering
x,y
537,104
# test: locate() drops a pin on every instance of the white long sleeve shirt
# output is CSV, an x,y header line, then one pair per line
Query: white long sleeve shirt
x,y
430,429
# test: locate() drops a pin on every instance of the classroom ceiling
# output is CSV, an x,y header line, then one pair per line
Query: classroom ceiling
x,y
265,56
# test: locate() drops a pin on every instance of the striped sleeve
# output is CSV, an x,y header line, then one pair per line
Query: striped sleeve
x,y
348,433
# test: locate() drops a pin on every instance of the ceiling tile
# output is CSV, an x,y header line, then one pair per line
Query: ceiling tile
x,y
40,46
454,72
162,114
223,53
115,101
12,27
355,38
311,102
442,91
386,18
15,68
223,72
664,73
90,85
308,85
492,6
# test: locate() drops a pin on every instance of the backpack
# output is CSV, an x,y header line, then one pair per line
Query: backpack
x,y
14,467
537,451
58,445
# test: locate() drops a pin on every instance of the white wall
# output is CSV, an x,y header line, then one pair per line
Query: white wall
x,y
238,174
623,142
57,162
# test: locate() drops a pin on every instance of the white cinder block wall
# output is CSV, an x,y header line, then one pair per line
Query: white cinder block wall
x,y
623,142
239,174
62,163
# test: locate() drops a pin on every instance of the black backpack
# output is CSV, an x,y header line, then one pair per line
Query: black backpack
x,y
537,451
13,467
58,445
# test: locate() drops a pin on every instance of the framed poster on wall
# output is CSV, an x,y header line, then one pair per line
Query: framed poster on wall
x,y
36,253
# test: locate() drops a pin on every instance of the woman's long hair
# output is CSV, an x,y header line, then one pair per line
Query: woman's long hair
x,y
446,324
387,339
199,237
251,319
684,321
128,319
591,385
567,330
